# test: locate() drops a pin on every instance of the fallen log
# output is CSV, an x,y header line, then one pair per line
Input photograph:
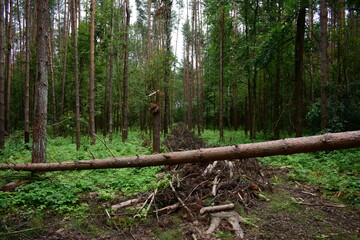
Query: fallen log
x,y
326,142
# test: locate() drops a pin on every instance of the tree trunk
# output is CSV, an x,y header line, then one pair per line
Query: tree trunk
x,y
2,80
41,85
8,68
66,43
76,71
299,65
167,65
326,142
155,109
52,74
126,75
110,87
323,61
92,74
221,79
27,78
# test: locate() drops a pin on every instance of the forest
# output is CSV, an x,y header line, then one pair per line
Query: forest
x,y
115,79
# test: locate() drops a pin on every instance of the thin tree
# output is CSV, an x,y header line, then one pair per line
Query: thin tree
x,y
126,74
92,74
41,85
299,65
323,61
221,78
76,71
2,81
27,78
110,87
8,67
66,43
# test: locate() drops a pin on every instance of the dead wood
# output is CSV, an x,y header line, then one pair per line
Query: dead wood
x,y
125,204
326,142
232,217
218,208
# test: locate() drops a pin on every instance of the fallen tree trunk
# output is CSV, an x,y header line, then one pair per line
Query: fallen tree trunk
x,y
326,142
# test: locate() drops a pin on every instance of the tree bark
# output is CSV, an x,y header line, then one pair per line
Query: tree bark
x,y
2,80
323,61
126,75
27,77
8,67
41,85
92,74
110,87
66,43
221,79
326,142
76,71
299,65
155,109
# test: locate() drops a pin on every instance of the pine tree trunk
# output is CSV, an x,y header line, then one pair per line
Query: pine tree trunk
x,y
27,78
221,79
66,43
76,72
9,67
2,80
41,85
299,65
323,61
92,74
52,74
110,87
326,142
126,75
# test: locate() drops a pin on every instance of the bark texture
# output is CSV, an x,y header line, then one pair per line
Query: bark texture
x,y
326,142
299,65
92,74
41,85
2,82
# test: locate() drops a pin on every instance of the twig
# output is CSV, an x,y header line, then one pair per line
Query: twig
x,y
124,204
171,208
181,201
151,201
102,141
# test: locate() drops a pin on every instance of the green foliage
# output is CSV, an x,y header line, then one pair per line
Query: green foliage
x,y
62,191
337,172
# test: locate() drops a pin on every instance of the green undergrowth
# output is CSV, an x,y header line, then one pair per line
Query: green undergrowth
x,y
63,192
336,172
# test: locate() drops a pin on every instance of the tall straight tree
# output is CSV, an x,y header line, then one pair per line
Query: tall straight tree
x,y
27,77
110,87
8,65
299,65
92,74
41,84
221,78
76,71
323,61
2,82
126,74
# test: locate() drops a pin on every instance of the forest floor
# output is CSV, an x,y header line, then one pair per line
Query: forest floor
x,y
270,203
293,210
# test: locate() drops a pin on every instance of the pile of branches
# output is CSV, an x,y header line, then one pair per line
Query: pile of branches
x,y
182,139
197,189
